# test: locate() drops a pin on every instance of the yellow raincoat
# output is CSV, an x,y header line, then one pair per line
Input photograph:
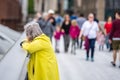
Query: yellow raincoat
x,y
42,64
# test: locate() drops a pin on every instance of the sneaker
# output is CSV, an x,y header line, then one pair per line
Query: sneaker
x,y
119,66
92,59
74,53
87,59
113,63
57,51
71,51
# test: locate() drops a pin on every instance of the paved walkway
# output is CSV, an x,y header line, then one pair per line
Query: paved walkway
x,y
71,67
75,67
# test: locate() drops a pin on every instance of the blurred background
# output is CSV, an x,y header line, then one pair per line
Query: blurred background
x,y
14,13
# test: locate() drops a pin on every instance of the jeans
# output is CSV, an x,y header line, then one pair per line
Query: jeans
x,y
107,42
92,47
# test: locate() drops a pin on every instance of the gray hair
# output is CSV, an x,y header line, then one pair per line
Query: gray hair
x,y
45,15
90,15
32,30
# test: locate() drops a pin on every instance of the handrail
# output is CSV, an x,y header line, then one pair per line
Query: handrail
x,y
12,64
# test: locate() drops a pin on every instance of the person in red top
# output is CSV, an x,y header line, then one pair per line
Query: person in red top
x,y
74,33
115,38
57,34
107,27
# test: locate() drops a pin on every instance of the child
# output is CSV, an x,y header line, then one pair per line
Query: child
x,y
74,33
57,35
101,40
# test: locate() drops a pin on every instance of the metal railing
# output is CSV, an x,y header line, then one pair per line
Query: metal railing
x,y
11,66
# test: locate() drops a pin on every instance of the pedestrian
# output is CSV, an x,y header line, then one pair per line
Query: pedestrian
x,y
95,18
101,40
57,34
38,16
74,33
89,31
66,27
107,27
58,19
115,37
46,26
51,17
73,16
80,20
42,63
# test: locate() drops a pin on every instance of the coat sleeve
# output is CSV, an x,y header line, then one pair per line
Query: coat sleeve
x,y
52,28
32,47
112,31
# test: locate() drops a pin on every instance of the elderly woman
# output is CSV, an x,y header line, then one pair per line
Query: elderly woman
x,y
42,64
90,30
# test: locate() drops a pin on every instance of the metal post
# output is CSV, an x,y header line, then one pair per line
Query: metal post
x,y
43,5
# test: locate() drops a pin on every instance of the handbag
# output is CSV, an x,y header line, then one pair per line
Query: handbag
x,y
87,40
86,44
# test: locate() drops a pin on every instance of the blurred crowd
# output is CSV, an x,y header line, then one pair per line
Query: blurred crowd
x,y
78,29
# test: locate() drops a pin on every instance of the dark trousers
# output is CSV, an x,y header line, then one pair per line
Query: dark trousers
x,y
77,42
81,41
66,41
92,47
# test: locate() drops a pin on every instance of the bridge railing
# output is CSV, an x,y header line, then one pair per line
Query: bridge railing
x,y
11,66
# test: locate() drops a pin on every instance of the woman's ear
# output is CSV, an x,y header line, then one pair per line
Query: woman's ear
x,y
29,38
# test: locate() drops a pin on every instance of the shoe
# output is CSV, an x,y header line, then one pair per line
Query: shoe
x,y
74,53
71,51
87,58
119,66
57,51
113,63
66,51
92,59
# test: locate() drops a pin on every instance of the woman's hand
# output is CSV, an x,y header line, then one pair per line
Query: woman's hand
x,y
62,31
26,40
80,35
110,41
54,33
21,43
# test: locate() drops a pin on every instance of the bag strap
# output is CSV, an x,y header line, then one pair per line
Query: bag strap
x,y
90,28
